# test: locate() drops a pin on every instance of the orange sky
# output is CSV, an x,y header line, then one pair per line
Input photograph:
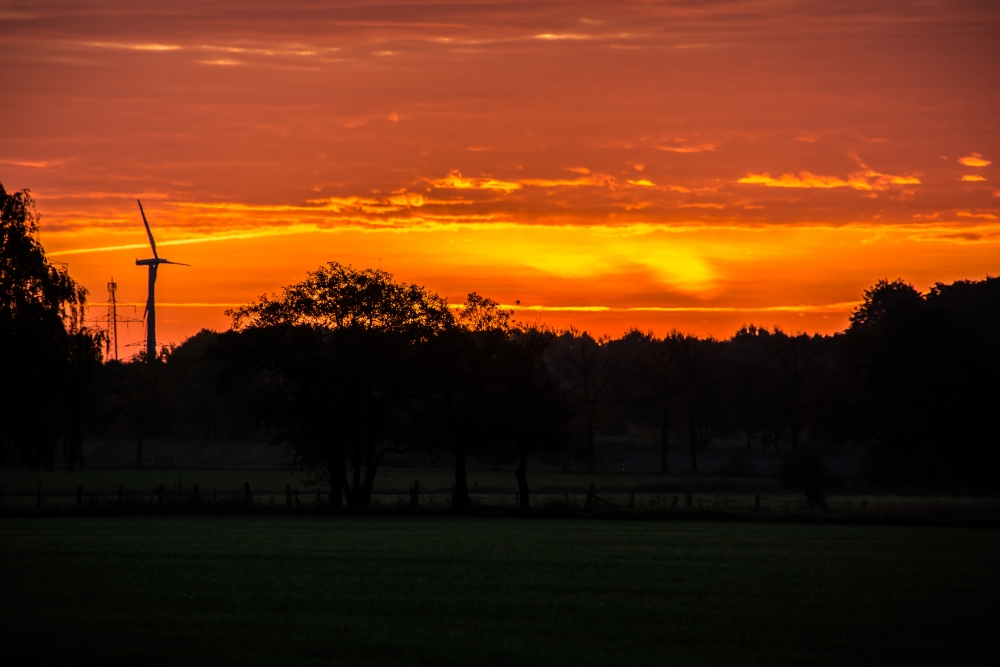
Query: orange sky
x,y
697,165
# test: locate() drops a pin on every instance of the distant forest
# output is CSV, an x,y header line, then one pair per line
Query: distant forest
x,y
351,366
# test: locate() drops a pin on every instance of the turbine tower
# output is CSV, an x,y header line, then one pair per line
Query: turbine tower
x,y
150,313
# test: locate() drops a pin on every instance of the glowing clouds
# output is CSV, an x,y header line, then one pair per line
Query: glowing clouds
x,y
686,149
803,180
867,180
134,47
975,160
593,180
455,181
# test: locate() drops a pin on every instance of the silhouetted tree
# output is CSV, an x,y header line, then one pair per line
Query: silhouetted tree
x,y
747,390
884,296
46,353
84,350
661,384
590,369
459,367
974,305
192,376
141,404
793,361
530,411
338,355
701,373
923,389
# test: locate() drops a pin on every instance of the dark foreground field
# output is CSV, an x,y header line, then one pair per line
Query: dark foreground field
x,y
439,591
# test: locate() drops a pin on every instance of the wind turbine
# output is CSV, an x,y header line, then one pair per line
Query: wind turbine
x,y
150,313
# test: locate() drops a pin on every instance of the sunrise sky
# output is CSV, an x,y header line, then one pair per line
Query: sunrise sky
x,y
697,165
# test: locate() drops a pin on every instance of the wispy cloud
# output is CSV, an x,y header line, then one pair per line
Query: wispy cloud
x,y
973,177
135,47
36,164
975,160
595,180
455,181
548,36
862,180
808,308
188,241
687,149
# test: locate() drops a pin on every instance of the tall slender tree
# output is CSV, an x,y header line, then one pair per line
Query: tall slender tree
x,y
46,352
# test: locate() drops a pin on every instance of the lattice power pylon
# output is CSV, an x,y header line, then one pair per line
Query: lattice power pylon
x,y
112,319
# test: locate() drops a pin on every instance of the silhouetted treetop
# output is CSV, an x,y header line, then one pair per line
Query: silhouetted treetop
x,y
483,314
884,296
31,287
338,296
975,304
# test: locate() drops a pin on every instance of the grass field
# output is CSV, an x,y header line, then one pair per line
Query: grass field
x,y
436,591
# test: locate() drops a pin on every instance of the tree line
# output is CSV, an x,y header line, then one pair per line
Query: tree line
x,y
352,366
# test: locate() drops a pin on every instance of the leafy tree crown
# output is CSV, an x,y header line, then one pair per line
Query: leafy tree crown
x,y
338,296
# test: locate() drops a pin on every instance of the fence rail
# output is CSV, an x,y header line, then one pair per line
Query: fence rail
x,y
230,499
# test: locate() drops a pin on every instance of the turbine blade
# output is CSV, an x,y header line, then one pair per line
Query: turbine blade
x,y
149,233
167,261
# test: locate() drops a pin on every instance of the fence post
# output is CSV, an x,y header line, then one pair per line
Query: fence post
x,y
159,496
120,495
589,505
688,499
79,496
213,496
288,495
415,494
246,494
631,500
195,494
297,505
756,502
39,496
